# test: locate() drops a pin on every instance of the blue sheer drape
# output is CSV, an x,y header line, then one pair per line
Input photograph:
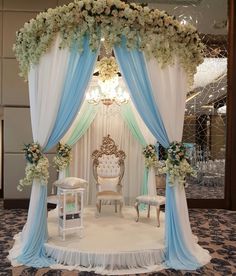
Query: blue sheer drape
x,y
86,116
80,70
78,75
134,71
133,67
33,253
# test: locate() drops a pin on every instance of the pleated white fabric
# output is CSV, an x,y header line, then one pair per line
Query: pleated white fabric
x,y
169,86
45,93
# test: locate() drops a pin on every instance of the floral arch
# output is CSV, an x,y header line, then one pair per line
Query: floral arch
x,y
155,32
157,57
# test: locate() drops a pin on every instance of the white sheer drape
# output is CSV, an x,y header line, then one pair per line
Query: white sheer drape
x,y
109,121
169,86
44,93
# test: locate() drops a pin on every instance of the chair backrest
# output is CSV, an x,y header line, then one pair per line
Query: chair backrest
x,y
108,165
161,184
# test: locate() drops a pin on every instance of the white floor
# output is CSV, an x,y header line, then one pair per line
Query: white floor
x,y
110,232
110,242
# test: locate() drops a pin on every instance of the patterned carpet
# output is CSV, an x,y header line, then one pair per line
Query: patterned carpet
x,y
204,192
216,230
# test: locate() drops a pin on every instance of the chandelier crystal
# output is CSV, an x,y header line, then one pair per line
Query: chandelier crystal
x,y
108,92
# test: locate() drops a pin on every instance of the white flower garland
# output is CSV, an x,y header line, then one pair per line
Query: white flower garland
x,y
155,32
38,171
37,166
177,172
150,155
176,165
63,158
107,68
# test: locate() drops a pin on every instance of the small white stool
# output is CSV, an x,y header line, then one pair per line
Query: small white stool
x,y
156,201
70,210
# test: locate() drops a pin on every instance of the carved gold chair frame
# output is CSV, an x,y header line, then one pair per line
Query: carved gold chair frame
x,y
109,147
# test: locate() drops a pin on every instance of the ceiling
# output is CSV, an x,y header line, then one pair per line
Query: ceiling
x,y
208,16
174,2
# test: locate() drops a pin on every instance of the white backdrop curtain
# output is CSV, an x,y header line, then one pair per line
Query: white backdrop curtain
x,y
150,139
109,121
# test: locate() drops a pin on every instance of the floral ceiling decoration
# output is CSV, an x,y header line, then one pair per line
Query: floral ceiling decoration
x,y
107,68
155,32
108,90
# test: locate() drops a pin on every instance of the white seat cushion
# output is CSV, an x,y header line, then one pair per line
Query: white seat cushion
x,y
53,199
108,183
71,183
109,195
152,200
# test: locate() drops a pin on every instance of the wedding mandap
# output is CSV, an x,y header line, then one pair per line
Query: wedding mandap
x,y
113,75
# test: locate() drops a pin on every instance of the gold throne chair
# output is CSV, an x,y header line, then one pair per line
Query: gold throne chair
x,y
108,171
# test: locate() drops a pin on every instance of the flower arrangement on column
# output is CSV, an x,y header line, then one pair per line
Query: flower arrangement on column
x,y
63,157
177,165
37,166
150,155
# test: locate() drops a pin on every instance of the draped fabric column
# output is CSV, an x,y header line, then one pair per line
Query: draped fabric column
x,y
52,112
44,93
170,87
182,252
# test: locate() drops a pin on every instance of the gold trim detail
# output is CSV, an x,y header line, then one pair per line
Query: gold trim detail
x,y
108,147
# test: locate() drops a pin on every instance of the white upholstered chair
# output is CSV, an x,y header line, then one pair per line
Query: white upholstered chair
x,y
108,171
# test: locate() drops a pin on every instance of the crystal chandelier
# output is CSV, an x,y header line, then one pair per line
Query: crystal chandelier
x,y
108,92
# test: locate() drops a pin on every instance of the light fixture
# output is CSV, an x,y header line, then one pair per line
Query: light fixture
x,y
222,110
207,106
183,22
192,96
108,92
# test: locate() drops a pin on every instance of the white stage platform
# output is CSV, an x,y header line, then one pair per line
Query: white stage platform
x,y
110,244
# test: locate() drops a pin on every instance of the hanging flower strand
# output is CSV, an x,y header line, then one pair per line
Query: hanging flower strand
x,y
107,68
150,155
36,168
176,164
63,157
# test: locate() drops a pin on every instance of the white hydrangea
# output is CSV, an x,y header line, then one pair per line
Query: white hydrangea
x,y
160,35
